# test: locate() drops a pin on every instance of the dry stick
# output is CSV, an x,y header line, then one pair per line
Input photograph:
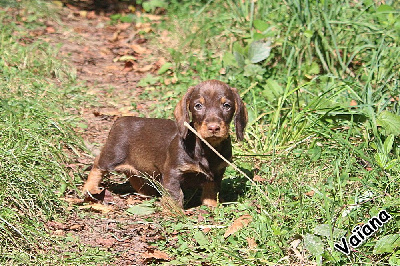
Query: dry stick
x,y
299,142
216,152
228,162
13,227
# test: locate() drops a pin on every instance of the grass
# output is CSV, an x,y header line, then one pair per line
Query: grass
x,y
320,80
36,139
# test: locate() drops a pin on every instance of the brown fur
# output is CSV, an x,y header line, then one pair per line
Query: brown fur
x,y
168,152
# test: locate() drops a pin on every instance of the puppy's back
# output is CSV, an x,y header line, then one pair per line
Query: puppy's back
x,y
139,142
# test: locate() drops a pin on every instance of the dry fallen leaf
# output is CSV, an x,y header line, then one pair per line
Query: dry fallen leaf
x,y
258,178
112,68
59,233
56,225
106,242
97,207
139,49
108,197
252,243
74,201
59,4
238,224
155,254
310,193
91,15
115,36
396,99
153,17
353,103
83,13
142,26
107,112
295,243
128,66
132,8
131,200
206,230
160,62
50,29
71,7
143,69
76,227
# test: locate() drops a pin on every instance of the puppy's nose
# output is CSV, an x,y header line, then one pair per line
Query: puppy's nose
x,y
214,128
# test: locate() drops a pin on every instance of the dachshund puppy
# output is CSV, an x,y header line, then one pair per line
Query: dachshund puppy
x,y
165,150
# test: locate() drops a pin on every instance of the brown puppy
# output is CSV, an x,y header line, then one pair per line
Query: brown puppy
x,y
167,151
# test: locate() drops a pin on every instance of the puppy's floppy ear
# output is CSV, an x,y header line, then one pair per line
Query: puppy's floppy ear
x,y
240,115
182,113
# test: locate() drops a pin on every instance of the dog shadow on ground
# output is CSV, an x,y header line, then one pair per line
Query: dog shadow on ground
x,y
231,189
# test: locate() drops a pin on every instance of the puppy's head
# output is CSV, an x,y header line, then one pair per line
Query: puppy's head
x,y
212,105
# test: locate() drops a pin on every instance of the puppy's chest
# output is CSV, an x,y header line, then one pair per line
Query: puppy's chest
x,y
201,162
210,163
202,171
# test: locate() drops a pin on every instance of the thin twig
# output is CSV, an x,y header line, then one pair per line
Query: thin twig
x,y
217,153
299,142
13,227
228,162
120,240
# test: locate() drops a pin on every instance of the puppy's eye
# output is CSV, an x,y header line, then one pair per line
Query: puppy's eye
x,y
198,106
226,106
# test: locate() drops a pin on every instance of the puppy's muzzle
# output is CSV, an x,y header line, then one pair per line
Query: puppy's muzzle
x,y
214,128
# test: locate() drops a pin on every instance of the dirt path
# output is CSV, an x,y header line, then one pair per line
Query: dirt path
x,y
103,56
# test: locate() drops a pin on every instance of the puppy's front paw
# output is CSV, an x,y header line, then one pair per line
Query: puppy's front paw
x,y
89,190
210,202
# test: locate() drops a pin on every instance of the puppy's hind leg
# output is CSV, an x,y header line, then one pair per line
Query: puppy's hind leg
x,y
94,179
113,154
142,185
209,194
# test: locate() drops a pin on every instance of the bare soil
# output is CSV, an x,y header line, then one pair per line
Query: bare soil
x,y
110,58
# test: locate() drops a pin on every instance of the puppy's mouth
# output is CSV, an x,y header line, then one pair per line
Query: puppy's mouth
x,y
214,137
214,133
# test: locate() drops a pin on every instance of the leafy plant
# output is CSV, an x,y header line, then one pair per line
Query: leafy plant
x,y
151,5
322,97
387,244
382,158
128,18
36,138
